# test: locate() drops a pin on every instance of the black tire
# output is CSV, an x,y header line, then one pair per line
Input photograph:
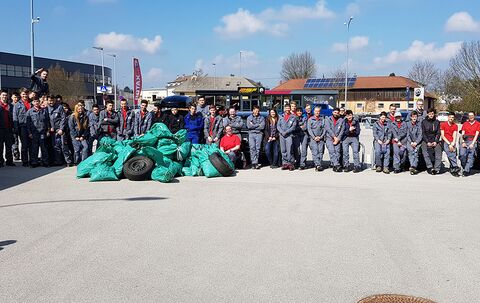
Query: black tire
x,y
138,168
221,165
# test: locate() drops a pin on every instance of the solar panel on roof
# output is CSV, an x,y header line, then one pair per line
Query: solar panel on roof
x,y
329,83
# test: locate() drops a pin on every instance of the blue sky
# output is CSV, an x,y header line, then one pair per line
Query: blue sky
x,y
175,37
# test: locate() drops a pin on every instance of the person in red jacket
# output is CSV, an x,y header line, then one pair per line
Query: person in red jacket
x,y
230,144
470,131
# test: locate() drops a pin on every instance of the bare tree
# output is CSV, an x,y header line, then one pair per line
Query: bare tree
x,y
298,66
426,73
465,76
70,86
339,73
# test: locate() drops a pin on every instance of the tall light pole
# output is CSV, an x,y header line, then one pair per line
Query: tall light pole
x,y
346,69
214,76
214,81
241,63
103,64
114,77
32,38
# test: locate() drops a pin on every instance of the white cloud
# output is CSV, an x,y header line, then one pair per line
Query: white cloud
x,y
462,22
421,51
295,12
124,42
154,74
353,9
226,65
357,42
270,21
199,64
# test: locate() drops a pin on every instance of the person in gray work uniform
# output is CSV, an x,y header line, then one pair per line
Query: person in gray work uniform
x,y
234,121
316,131
286,126
202,107
108,121
300,140
58,122
38,126
212,126
93,126
382,134
414,140
334,128
421,113
399,142
142,120
350,138
255,125
20,110
126,117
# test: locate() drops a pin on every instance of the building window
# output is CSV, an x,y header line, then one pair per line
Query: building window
x,y
381,105
18,71
26,72
397,105
3,69
11,70
359,105
410,105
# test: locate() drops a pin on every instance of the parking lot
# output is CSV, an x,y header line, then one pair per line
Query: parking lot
x,y
260,236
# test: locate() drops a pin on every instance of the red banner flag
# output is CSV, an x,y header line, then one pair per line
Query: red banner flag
x,y
137,81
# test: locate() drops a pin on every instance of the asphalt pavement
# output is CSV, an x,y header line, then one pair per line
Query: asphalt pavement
x,y
260,236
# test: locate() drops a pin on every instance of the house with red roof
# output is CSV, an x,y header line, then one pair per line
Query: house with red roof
x,y
364,94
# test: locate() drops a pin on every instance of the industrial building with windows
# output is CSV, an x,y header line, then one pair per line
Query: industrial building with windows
x,y
15,73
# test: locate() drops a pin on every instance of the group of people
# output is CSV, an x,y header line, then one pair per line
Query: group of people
x,y
42,122
420,136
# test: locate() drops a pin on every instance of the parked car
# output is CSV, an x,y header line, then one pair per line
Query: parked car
x,y
442,116
180,102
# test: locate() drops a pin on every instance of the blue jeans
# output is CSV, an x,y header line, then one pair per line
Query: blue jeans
x,y
80,149
272,152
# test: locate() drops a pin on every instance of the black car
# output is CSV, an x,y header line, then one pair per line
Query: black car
x,y
176,102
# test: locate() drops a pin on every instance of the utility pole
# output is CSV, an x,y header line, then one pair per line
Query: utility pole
x,y
346,69
114,77
32,38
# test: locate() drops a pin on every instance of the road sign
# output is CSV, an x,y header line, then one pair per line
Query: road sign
x,y
418,94
104,89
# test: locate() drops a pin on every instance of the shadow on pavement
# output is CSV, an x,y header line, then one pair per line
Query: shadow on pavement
x,y
6,242
86,200
13,176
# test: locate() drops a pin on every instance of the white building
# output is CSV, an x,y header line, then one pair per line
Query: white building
x,y
154,94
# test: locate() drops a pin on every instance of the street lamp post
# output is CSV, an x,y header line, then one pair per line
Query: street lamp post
x,y
103,64
32,38
240,63
346,68
214,81
114,78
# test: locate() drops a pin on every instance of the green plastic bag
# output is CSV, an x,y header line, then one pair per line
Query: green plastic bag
x,y
168,150
124,153
180,136
166,173
85,167
165,141
160,131
149,139
153,154
183,151
103,172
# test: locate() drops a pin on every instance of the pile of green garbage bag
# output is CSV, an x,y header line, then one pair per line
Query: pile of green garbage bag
x,y
172,154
